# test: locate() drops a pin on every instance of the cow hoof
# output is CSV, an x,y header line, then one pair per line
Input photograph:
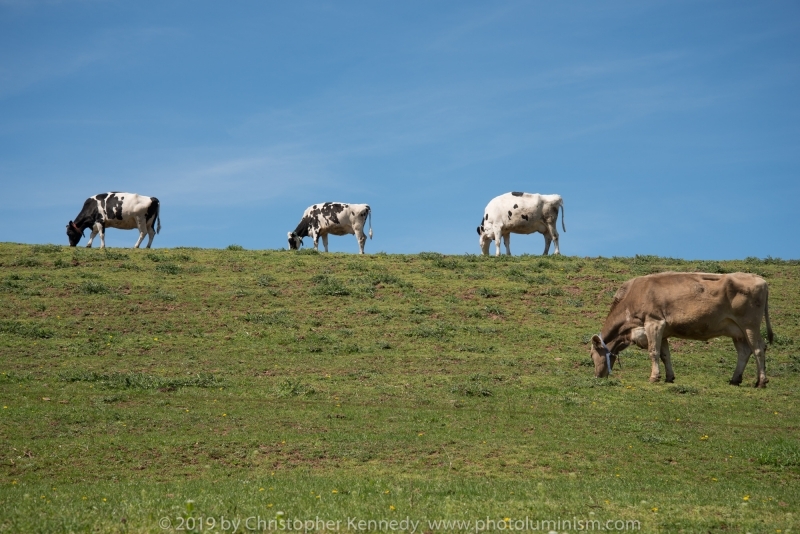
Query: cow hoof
x,y
670,380
654,380
733,383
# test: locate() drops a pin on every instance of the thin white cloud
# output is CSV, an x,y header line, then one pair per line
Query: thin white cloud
x,y
238,180
27,68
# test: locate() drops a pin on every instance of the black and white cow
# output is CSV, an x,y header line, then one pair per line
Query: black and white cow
x,y
125,211
336,218
520,213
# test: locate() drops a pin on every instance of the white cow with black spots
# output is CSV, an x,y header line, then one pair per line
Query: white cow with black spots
x,y
520,213
125,211
336,218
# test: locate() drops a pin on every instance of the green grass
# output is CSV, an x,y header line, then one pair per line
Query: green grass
x,y
191,383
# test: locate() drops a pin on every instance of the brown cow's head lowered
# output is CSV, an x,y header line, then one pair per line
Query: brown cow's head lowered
x,y
601,357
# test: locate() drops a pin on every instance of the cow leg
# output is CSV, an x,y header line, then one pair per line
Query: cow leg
x,y
315,237
654,332
667,359
142,225
96,228
743,355
551,227
497,239
151,232
759,350
507,242
325,241
547,241
362,240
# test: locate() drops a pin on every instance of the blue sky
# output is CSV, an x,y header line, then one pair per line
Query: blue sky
x,y
670,128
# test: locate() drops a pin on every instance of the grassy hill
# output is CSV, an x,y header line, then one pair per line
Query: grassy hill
x,y
199,385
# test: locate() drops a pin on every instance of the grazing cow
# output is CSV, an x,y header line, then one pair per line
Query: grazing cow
x,y
520,213
125,211
335,218
650,309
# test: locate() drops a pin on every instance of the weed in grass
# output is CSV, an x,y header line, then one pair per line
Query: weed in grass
x,y
682,389
329,286
61,263
128,266
109,254
575,303
168,268
387,279
421,310
12,284
487,293
234,247
164,295
26,262
279,317
447,263
592,382
439,331
494,310
265,280
475,386
778,340
90,287
157,257
348,348
709,267
784,452
307,252
793,365
294,388
14,378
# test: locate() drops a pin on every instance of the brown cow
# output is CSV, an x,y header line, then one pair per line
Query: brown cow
x,y
650,309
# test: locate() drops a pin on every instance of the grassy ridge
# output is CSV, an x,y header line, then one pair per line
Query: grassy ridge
x,y
383,386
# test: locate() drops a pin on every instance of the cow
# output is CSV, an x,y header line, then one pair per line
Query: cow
x,y
336,218
649,310
520,213
125,211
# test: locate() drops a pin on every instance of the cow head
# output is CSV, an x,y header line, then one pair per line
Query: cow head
x,y
598,354
74,234
485,239
295,241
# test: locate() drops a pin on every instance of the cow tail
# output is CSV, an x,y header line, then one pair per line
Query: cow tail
x,y
158,217
770,334
562,216
369,214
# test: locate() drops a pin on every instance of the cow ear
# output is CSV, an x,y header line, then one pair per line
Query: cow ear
x,y
597,343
